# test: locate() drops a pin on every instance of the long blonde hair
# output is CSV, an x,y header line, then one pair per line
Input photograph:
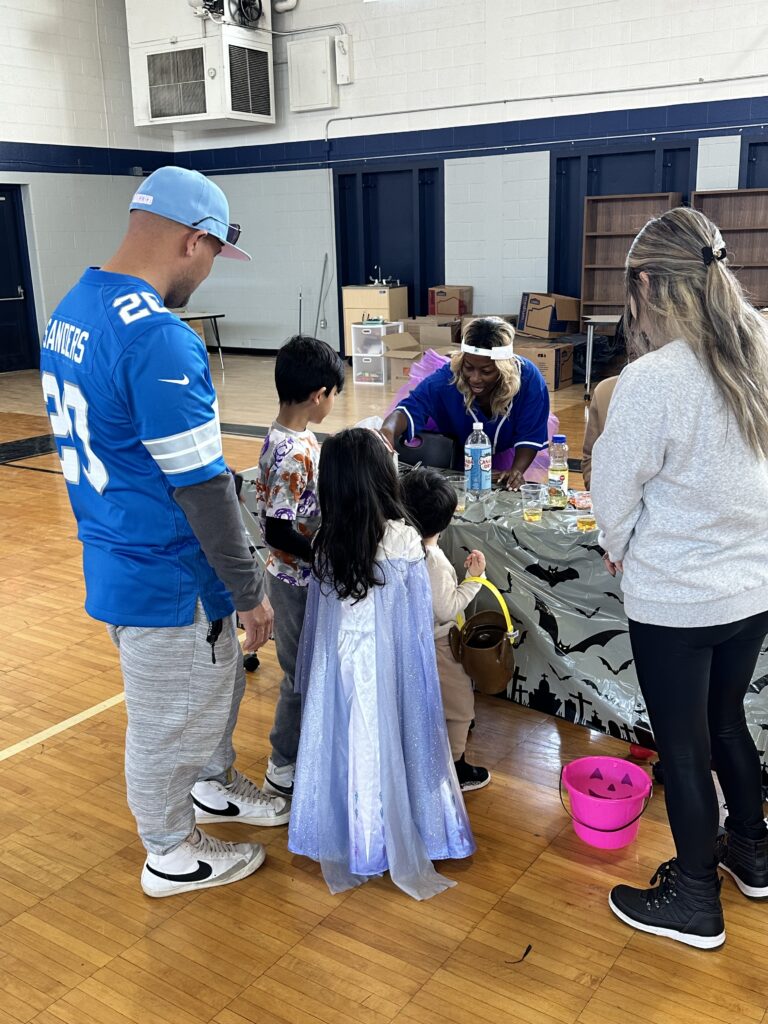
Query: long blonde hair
x,y
490,332
693,295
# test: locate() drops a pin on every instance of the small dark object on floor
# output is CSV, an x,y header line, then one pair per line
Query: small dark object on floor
x,y
251,662
520,959
658,772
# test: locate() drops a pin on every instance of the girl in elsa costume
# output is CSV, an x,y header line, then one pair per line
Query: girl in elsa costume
x,y
375,787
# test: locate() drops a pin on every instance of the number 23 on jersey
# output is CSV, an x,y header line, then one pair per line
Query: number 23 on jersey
x,y
68,412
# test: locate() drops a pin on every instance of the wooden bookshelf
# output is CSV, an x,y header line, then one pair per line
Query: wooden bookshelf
x,y
610,224
742,216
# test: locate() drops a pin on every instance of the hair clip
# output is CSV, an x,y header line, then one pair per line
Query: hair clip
x,y
709,255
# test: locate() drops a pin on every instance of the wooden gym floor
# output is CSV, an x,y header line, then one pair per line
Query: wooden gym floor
x,y
80,944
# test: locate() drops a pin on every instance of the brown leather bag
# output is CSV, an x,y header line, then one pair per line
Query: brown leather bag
x,y
484,645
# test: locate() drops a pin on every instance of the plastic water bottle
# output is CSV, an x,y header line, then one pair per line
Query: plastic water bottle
x,y
477,462
558,471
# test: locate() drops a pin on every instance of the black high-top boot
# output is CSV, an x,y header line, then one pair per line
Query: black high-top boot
x,y
680,907
746,861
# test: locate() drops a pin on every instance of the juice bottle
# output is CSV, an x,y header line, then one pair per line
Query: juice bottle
x,y
558,471
477,462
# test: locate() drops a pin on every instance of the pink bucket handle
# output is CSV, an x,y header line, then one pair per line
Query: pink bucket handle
x,y
595,828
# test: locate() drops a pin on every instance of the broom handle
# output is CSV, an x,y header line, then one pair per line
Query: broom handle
x,y
497,595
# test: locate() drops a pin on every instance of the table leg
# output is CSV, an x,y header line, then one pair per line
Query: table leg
x,y
588,369
215,324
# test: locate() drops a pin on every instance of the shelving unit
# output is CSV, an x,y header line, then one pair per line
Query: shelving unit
x,y
610,224
742,216
369,363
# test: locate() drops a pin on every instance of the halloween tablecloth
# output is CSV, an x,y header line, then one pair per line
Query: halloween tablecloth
x,y
574,658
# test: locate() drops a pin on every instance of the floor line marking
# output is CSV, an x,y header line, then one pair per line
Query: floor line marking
x,y
54,730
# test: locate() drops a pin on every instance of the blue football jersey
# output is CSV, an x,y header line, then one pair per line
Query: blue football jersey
x,y
133,409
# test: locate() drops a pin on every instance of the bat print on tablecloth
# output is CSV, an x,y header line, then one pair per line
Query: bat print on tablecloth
x,y
561,678
616,671
552,574
550,626
586,614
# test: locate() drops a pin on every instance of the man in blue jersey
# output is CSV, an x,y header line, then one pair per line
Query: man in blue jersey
x,y
165,556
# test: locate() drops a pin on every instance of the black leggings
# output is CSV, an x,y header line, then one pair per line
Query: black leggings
x,y
694,682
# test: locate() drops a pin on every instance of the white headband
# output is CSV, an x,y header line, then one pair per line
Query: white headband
x,y
502,352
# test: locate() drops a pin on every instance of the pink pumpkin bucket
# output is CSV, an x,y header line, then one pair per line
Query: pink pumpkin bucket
x,y
608,797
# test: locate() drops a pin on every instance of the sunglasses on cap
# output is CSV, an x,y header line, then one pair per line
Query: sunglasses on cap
x,y
233,230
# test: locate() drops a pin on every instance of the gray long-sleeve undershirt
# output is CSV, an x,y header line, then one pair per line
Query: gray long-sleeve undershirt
x,y
213,511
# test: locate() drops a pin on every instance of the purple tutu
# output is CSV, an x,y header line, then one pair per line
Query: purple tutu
x,y
430,363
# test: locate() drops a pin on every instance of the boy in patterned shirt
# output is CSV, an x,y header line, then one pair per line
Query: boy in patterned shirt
x,y
308,376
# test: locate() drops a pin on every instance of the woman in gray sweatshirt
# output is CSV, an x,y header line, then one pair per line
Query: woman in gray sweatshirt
x,y
680,491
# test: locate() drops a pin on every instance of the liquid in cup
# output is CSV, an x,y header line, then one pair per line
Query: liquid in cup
x,y
533,502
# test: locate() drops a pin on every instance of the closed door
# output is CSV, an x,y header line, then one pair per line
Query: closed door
x,y
390,224
757,166
19,349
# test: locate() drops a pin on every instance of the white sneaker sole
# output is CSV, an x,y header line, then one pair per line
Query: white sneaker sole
x,y
698,941
752,891
204,818
472,786
166,888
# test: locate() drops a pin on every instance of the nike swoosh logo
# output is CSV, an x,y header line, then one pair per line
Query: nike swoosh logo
x,y
203,871
285,790
230,811
170,380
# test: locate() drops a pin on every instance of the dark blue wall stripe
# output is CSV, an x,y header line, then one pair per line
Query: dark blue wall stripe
x,y
34,156
696,119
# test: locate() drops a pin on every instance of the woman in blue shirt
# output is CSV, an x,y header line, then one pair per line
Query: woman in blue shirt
x,y
485,382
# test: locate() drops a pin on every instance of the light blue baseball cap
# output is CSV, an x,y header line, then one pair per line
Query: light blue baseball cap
x,y
190,198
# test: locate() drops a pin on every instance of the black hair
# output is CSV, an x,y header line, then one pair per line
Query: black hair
x,y
430,500
359,491
304,365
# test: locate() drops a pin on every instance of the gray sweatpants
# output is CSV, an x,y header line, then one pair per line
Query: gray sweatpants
x,y
289,603
182,711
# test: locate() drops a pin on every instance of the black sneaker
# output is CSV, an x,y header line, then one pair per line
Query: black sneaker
x,y
746,861
681,908
471,776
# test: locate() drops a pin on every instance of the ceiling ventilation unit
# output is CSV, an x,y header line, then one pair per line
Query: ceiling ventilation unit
x,y
201,63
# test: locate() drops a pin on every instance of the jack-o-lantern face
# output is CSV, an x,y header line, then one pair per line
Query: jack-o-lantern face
x,y
610,791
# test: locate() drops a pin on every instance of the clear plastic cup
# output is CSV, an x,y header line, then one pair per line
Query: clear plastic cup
x,y
585,517
461,496
533,496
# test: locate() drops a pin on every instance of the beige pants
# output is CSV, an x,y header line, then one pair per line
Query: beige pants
x,y
458,697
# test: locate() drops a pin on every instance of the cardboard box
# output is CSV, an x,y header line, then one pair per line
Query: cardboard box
x,y
440,336
416,325
403,350
450,299
511,318
546,315
554,360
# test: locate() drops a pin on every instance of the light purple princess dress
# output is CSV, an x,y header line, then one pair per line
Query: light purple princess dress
x,y
375,788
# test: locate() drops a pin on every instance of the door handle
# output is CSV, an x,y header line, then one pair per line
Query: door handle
x,y
16,298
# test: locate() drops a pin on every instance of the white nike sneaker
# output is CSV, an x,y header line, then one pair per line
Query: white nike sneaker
x,y
240,800
200,862
279,781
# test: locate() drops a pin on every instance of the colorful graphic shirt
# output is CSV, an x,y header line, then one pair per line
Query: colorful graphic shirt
x,y
286,488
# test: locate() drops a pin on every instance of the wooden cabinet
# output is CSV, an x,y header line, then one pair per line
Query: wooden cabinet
x,y
363,301
610,225
742,216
